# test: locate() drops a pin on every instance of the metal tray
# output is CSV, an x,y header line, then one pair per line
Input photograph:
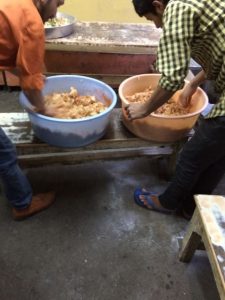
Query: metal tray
x,y
61,31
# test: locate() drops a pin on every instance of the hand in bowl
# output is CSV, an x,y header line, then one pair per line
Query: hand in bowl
x,y
186,95
137,110
46,111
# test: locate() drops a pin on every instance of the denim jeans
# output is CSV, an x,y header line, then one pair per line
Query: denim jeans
x,y
200,166
16,186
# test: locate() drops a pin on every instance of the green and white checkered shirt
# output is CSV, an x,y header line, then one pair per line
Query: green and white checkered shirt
x,y
193,28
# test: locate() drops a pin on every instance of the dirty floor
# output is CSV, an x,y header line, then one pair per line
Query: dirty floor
x,y
95,243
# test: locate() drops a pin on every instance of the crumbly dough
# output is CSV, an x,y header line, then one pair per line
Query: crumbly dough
x,y
73,106
170,108
56,22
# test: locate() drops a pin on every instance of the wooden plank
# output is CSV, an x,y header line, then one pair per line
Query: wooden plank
x,y
11,79
2,79
41,147
118,142
192,239
208,225
212,212
71,157
98,63
18,128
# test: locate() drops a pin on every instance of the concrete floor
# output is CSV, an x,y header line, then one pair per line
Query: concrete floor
x,y
95,243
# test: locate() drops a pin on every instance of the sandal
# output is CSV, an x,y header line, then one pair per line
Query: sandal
x,y
147,194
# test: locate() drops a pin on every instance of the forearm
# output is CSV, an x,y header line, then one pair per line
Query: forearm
x,y
36,99
141,110
198,79
158,98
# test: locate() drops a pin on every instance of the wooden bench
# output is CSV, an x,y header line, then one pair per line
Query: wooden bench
x,y
118,142
207,226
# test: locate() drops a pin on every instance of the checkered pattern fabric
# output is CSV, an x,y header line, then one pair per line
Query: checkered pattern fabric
x,y
193,28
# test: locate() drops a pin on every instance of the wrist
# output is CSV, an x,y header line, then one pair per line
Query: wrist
x,y
194,85
40,108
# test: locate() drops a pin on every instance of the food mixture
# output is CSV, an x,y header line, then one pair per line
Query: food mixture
x,y
56,22
73,106
170,108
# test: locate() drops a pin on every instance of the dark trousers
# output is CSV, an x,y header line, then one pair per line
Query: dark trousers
x,y
16,186
200,166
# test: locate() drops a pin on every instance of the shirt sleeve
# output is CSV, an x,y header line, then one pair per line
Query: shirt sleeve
x,y
30,56
174,49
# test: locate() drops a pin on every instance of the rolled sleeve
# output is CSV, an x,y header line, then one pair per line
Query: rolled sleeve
x,y
174,47
30,57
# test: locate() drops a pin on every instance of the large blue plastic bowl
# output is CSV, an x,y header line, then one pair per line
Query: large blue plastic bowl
x,y
76,132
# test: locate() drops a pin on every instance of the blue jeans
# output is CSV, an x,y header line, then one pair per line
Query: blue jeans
x,y
200,166
17,187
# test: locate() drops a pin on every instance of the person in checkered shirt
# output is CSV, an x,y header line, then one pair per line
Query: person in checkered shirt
x,y
191,29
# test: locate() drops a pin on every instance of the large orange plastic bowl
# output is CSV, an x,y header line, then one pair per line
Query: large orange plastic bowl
x,y
160,128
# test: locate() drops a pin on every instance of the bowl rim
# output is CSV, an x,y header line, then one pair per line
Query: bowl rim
x,y
154,115
91,118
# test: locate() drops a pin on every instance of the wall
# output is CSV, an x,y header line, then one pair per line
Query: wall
x,y
119,11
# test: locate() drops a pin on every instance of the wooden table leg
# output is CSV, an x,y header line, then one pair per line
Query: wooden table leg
x,y
192,239
3,78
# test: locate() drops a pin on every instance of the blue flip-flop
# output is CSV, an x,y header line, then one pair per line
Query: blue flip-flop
x,y
147,194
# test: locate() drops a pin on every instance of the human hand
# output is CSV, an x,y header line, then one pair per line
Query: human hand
x,y
186,95
37,103
44,78
136,110
46,111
